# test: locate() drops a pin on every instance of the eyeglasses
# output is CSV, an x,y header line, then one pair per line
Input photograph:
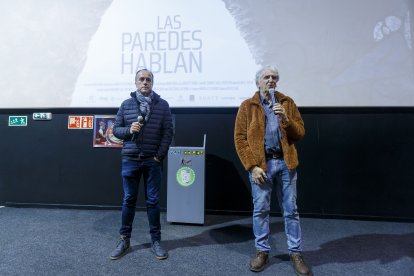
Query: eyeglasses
x,y
142,79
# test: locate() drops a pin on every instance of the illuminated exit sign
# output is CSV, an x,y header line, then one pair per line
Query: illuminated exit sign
x,y
17,120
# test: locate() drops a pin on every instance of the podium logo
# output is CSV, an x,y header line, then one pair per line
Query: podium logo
x,y
185,176
185,162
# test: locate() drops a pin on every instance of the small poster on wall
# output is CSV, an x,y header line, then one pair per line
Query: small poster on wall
x,y
103,136
80,122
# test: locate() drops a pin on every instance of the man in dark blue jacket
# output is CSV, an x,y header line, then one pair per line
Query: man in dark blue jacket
x,y
144,123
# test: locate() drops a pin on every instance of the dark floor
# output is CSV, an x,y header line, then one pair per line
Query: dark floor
x,y
79,242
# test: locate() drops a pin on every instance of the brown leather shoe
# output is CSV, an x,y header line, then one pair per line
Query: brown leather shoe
x,y
259,262
299,265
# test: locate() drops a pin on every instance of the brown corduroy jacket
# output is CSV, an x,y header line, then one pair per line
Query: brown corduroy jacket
x,y
249,132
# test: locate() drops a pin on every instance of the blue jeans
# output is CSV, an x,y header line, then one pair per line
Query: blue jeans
x,y
131,173
278,176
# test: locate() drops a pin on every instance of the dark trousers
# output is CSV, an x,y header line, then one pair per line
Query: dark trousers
x,y
131,173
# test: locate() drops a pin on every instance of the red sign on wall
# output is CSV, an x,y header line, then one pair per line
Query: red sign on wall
x,y
80,122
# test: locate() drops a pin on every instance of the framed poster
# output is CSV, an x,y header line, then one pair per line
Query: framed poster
x,y
103,136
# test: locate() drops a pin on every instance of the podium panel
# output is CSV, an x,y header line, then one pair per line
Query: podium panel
x,y
185,184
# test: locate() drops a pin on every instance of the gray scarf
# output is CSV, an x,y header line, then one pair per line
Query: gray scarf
x,y
145,104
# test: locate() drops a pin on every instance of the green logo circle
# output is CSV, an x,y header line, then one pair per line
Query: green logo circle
x,y
185,176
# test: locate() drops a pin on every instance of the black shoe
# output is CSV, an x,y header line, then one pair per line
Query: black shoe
x,y
159,252
121,249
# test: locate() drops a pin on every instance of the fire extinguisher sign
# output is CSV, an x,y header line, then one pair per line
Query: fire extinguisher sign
x,y
80,122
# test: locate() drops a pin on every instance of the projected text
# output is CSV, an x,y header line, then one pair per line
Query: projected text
x,y
168,50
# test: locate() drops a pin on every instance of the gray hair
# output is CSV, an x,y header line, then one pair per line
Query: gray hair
x,y
144,69
259,73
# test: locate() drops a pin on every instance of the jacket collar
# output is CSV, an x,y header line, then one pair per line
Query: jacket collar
x,y
256,98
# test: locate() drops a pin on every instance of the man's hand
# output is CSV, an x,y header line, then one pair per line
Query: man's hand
x,y
135,127
280,110
258,175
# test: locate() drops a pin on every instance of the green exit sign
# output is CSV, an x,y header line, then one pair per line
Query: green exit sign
x,y
17,120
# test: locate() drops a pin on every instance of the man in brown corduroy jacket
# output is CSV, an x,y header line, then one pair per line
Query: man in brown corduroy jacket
x,y
267,127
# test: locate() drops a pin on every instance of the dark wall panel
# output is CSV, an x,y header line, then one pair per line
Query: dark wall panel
x,y
365,163
47,163
353,162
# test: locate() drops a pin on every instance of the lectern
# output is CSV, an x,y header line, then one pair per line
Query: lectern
x,y
185,184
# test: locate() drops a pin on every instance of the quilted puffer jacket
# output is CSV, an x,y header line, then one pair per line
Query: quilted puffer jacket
x,y
155,136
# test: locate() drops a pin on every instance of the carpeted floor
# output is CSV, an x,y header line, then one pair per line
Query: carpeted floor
x,y
79,242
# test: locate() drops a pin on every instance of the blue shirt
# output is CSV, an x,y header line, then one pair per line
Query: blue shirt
x,y
273,135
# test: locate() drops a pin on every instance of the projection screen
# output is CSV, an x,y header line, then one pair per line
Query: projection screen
x,y
205,53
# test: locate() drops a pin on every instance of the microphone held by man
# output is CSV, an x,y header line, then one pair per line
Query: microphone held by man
x,y
277,107
136,126
272,95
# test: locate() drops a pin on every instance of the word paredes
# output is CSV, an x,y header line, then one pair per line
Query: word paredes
x,y
170,49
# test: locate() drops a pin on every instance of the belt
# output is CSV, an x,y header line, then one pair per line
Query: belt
x,y
274,155
140,158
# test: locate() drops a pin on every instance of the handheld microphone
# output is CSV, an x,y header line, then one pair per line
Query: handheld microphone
x,y
272,95
140,120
